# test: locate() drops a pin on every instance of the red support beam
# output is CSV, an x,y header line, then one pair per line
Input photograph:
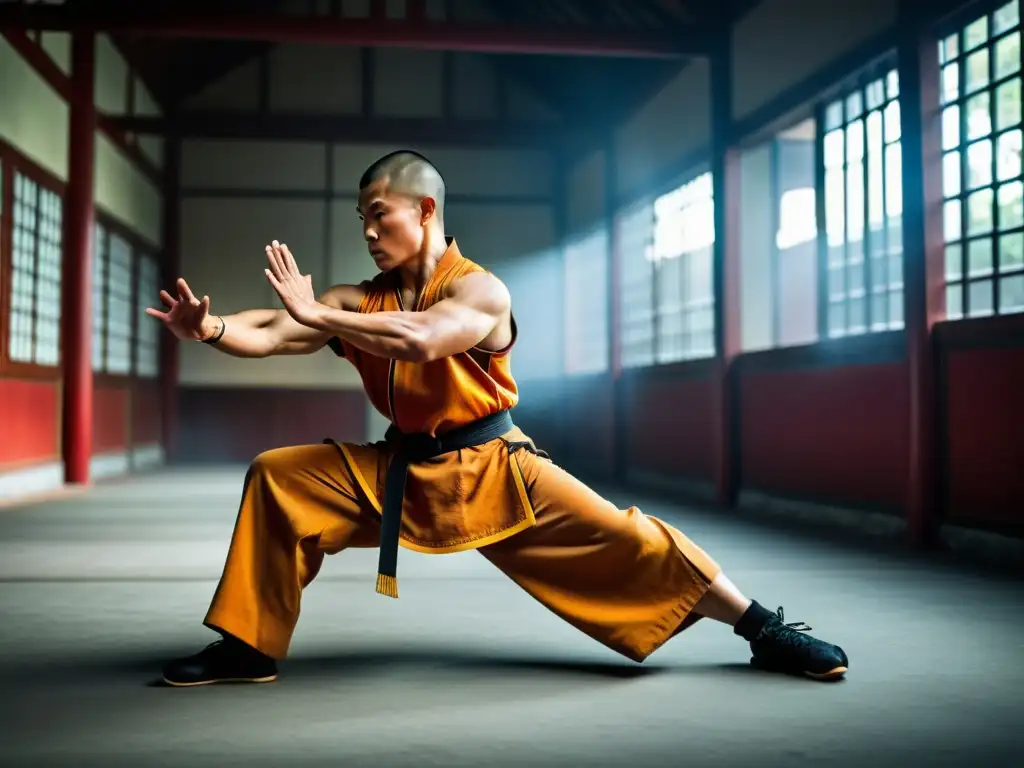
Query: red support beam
x,y
725,172
139,20
923,263
77,314
46,68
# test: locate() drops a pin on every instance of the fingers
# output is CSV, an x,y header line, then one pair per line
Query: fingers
x,y
186,293
289,260
167,299
274,282
276,261
163,316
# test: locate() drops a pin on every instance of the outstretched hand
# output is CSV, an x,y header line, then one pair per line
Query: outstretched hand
x,y
187,317
294,288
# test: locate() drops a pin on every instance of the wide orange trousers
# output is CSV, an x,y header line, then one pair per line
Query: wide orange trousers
x,y
628,580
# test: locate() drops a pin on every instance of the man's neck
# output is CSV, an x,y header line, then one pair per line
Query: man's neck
x,y
415,273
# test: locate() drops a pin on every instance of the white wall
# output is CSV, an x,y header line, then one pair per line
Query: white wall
x,y
671,126
782,42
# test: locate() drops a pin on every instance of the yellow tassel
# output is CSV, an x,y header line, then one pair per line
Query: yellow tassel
x,y
387,585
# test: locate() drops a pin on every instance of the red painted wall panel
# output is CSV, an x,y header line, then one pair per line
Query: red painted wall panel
x,y
986,435
670,425
236,424
29,422
110,418
835,434
146,415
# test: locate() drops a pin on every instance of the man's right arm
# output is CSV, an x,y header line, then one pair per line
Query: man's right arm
x,y
254,333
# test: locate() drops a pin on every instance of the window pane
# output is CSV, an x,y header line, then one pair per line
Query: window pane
x,y
875,94
99,271
896,269
855,202
876,181
951,174
954,267
1007,55
979,164
896,309
1008,104
833,115
857,318
147,338
49,264
1008,153
119,307
1011,206
950,85
979,212
951,221
854,105
976,71
979,298
835,196
855,141
892,84
1006,17
892,122
23,269
1011,252
979,257
837,319
836,282
893,180
834,149
951,127
979,122
954,302
976,33
1011,294
949,49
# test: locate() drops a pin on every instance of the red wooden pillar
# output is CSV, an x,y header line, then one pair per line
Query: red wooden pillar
x,y
169,274
77,309
725,172
923,260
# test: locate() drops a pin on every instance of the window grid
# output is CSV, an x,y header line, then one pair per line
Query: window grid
x,y
118,306
147,339
638,319
682,252
99,311
49,264
983,209
863,209
586,309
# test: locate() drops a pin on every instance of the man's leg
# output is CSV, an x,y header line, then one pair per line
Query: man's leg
x,y
298,504
631,581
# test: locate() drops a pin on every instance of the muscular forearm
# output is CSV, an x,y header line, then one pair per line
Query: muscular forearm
x,y
246,334
396,335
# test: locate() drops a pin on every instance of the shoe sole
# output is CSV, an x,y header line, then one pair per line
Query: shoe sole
x,y
269,679
837,673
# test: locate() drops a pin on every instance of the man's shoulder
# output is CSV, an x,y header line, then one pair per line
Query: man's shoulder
x,y
481,287
348,296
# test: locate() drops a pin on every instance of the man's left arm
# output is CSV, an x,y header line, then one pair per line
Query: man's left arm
x,y
473,308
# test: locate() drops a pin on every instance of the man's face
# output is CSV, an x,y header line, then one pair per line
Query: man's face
x,y
393,225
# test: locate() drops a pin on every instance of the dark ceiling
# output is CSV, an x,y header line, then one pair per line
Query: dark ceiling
x,y
580,88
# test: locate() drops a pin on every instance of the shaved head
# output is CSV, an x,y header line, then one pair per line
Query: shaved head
x,y
401,203
407,173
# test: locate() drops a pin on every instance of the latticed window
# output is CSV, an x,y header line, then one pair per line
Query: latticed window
x,y
36,271
983,212
147,339
864,208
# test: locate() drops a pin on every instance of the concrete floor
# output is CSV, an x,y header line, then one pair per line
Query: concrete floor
x,y
99,588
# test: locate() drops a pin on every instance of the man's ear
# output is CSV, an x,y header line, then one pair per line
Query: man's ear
x,y
428,207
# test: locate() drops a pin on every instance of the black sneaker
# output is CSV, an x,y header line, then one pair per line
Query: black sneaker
x,y
224,661
782,647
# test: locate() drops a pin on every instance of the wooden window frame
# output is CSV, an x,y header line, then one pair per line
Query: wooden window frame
x,y
15,162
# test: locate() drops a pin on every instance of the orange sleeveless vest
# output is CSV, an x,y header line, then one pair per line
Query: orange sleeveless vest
x,y
465,499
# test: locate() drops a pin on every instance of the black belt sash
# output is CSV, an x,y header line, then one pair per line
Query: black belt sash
x,y
411,449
